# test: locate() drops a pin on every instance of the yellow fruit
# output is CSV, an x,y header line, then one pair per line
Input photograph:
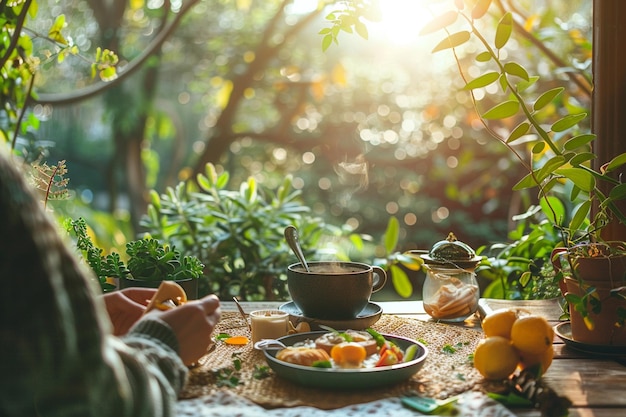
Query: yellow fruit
x,y
544,359
495,357
532,334
499,323
348,354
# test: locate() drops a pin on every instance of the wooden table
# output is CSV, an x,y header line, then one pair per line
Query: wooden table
x,y
595,385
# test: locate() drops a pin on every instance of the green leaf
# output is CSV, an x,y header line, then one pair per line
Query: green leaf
x,y
538,148
578,141
580,214
54,32
401,282
503,31
553,208
513,68
527,182
483,57
482,81
327,40
452,41
502,110
580,177
616,162
567,122
361,29
618,192
480,9
518,132
547,97
582,157
391,235
550,167
440,22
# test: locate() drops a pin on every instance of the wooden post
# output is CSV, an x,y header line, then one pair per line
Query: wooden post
x,y
609,95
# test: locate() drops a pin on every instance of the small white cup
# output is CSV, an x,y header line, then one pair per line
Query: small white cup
x,y
269,324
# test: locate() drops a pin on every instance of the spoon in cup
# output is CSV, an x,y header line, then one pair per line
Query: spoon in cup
x,y
293,240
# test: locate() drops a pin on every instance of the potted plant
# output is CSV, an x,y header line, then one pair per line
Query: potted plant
x,y
560,152
148,262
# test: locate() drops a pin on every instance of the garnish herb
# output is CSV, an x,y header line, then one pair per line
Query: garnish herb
x,y
449,349
230,377
261,371
380,340
322,364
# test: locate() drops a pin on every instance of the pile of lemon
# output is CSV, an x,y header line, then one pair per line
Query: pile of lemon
x,y
513,339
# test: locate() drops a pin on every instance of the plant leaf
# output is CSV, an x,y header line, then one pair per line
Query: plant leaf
x,y
502,110
582,157
503,31
517,70
567,122
547,97
452,41
580,214
616,162
440,22
482,81
578,141
480,9
618,192
518,132
553,208
401,281
580,177
391,234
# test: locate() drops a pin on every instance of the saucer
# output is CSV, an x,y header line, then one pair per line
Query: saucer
x,y
368,316
564,332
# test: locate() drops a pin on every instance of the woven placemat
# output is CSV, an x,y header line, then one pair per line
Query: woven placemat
x,y
447,370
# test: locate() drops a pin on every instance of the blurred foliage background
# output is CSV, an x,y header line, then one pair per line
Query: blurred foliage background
x,y
369,129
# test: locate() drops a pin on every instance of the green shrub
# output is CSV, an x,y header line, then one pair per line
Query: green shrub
x,y
238,235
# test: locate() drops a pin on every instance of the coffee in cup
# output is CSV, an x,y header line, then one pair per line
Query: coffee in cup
x,y
333,290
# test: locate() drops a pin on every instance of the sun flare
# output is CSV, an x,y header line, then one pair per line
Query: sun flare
x,y
402,20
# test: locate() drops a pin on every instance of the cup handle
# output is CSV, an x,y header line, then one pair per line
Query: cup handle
x,y
380,278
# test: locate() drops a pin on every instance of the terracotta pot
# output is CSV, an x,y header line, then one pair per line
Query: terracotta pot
x,y
190,285
605,332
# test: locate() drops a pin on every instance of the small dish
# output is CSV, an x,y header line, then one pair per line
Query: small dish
x,y
346,379
366,318
564,332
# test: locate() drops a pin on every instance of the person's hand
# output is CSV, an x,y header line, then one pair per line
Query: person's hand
x,y
126,306
193,323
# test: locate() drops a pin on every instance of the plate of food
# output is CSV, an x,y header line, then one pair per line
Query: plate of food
x,y
347,359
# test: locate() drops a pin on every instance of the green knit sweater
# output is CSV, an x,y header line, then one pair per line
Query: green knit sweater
x,y
57,354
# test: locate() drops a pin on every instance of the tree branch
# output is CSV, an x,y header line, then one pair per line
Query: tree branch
x,y
133,66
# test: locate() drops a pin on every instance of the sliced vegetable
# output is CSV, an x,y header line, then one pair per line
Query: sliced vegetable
x,y
237,340
387,358
409,353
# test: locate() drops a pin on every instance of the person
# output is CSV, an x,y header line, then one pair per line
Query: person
x,y
58,353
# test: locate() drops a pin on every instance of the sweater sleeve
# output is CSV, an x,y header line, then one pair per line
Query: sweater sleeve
x,y
57,353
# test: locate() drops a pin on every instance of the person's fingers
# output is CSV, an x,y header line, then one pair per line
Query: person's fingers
x,y
210,303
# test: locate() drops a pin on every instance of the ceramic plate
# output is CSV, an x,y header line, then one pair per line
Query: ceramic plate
x,y
368,316
346,379
564,332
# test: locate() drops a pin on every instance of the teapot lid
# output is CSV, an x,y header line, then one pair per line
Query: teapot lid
x,y
451,252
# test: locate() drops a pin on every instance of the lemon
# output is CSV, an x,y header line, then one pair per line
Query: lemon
x,y
495,357
499,323
532,334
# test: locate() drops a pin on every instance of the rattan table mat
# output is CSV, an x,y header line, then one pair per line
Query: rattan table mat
x,y
447,370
